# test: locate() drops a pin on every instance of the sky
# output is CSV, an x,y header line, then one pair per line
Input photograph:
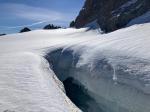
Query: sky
x,y
35,14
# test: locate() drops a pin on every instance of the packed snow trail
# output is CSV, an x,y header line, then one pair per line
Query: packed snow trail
x,y
114,68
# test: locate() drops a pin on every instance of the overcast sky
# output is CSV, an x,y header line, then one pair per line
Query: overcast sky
x,y
16,14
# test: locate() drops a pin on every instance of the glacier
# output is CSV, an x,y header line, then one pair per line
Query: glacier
x,y
113,68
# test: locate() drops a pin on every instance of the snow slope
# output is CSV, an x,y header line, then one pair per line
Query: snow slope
x,y
114,67
26,82
27,85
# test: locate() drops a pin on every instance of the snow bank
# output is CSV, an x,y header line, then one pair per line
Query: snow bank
x,y
28,85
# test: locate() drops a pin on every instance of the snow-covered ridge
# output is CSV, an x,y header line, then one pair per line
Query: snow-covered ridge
x,y
114,68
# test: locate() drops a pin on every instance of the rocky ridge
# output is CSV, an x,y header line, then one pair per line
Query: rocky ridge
x,y
111,14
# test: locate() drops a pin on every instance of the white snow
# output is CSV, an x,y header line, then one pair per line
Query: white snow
x,y
28,85
26,82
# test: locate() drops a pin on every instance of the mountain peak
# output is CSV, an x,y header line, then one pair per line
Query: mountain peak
x,y
111,14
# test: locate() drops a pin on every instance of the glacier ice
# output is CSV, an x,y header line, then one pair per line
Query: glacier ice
x,y
113,68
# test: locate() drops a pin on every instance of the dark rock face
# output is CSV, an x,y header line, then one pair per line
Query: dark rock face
x,y
72,24
25,30
111,14
2,34
51,26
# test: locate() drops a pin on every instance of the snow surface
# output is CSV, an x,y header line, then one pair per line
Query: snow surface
x,y
27,83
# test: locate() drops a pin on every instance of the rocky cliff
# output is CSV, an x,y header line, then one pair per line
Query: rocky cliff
x,y
111,14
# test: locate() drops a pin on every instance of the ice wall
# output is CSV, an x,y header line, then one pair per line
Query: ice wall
x,y
109,83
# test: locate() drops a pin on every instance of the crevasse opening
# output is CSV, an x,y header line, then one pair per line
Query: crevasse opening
x,y
96,90
62,63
